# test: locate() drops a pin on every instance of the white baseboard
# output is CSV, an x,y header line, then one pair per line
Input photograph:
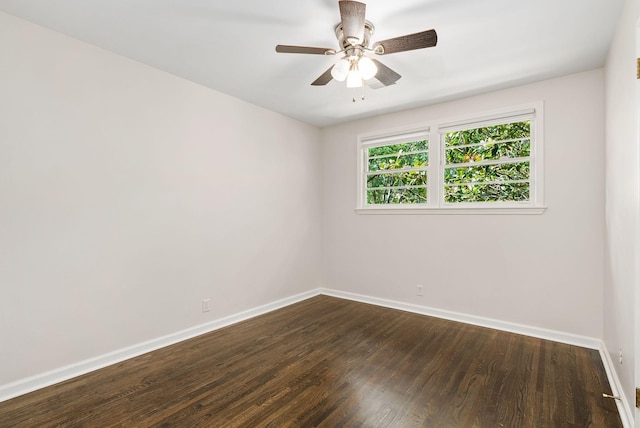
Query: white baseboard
x,y
556,336
624,407
42,380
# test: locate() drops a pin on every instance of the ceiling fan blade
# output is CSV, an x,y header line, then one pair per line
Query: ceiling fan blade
x,y
385,75
352,14
424,39
304,50
324,78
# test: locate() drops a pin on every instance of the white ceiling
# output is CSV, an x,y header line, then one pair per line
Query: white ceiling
x,y
483,45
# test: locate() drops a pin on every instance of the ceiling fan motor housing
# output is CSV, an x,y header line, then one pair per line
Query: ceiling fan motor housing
x,y
345,44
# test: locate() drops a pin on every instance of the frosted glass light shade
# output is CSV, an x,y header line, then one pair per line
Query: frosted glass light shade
x,y
340,70
367,68
354,79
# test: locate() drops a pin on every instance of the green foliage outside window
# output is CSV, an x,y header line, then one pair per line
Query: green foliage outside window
x,y
477,171
396,177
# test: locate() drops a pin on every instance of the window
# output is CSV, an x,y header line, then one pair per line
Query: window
x,y
397,172
491,163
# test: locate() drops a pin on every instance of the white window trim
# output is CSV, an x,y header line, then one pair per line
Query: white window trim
x,y
434,131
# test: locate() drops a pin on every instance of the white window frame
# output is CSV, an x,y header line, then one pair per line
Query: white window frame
x,y
435,131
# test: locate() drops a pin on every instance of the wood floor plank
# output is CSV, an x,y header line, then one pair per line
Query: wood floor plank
x,y
328,362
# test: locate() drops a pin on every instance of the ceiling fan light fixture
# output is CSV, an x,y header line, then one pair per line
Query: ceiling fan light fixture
x,y
354,79
367,67
340,70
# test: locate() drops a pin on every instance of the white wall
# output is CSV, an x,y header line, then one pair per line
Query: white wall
x,y
622,216
543,271
127,195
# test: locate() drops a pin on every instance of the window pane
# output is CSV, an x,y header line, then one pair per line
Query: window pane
x,y
416,160
397,196
487,192
411,146
489,151
484,173
487,134
395,179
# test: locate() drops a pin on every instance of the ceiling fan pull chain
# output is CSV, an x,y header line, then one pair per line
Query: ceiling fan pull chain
x,y
353,98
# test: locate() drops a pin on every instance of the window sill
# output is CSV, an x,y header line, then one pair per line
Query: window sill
x,y
452,211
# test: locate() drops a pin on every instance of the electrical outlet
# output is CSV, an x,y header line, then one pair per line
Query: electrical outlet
x,y
205,305
620,356
419,290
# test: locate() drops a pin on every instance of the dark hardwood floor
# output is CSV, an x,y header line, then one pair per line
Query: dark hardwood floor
x,y
335,363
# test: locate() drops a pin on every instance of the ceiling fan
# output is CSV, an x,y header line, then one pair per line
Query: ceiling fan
x,y
354,34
